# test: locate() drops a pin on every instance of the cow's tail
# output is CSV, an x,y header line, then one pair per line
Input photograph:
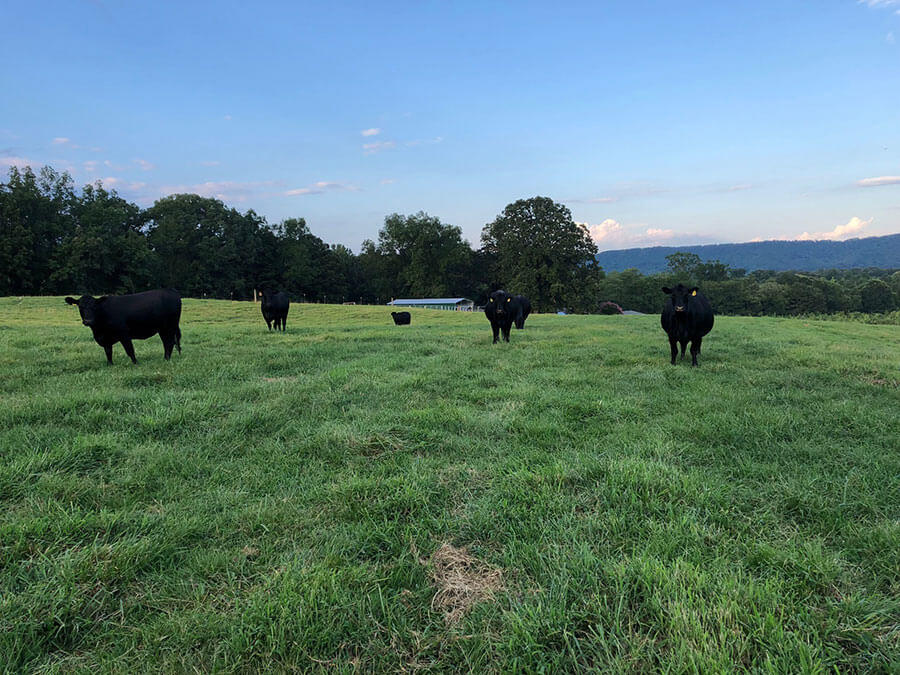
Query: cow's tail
x,y
178,338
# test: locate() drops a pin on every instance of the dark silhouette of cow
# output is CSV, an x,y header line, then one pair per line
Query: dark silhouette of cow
x,y
275,308
686,317
401,318
524,305
501,310
123,318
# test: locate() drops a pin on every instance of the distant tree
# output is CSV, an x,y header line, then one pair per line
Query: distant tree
x,y
876,296
772,298
202,247
542,253
423,256
106,250
683,265
34,218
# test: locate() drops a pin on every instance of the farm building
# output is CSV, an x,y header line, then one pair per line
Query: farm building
x,y
459,304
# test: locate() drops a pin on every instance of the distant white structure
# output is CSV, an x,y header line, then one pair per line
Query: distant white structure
x,y
459,304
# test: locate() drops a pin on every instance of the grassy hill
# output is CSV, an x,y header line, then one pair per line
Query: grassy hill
x,y
356,495
807,256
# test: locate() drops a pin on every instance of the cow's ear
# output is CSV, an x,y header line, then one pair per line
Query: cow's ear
x,y
103,299
694,290
71,301
667,290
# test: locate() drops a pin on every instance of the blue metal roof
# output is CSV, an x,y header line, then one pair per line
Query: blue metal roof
x,y
428,301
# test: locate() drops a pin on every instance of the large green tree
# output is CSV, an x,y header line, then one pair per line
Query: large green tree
x,y
202,247
105,251
424,257
542,253
35,217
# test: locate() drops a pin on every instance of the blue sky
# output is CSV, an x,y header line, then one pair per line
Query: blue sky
x,y
654,122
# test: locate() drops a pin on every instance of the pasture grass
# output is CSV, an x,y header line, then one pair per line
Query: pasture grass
x,y
271,501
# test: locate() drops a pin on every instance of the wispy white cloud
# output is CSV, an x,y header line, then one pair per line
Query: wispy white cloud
x,y
227,117
117,183
593,200
889,38
320,188
227,191
370,132
90,166
853,227
425,141
378,146
879,3
878,181
611,234
144,164
19,162
60,140
210,163
388,181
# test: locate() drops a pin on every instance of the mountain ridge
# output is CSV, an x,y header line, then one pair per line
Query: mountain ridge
x,y
774,254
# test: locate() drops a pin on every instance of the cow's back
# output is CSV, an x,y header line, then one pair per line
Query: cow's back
x,y
141,315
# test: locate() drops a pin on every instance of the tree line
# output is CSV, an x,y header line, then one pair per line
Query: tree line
x,y
56,239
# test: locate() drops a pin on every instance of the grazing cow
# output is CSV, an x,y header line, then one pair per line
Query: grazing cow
x,y
123,318
524,305
275,309
401,318
687,317
501,310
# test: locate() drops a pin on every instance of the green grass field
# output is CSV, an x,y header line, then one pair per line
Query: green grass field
x,y
352,495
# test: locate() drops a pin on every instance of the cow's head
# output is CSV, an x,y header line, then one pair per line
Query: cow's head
x,y
500,301
87,307
681,296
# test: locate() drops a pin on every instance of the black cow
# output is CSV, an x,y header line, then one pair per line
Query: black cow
x,y
401,318
524,310
275,308
501,310
123,318
687,317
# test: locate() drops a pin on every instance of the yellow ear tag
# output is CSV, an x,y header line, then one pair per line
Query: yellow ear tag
x,y
508,299
693,292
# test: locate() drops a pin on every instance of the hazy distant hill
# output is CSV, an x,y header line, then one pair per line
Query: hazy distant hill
x,y
768,255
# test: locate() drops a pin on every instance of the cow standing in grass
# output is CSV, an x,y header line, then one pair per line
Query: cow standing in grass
x,y
401,318
524,309
275,309
501,310
686,317
123,318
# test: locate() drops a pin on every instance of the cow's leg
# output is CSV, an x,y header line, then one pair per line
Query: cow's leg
x,y
283,323
673,344
506,330
683,347
129,349
495,327
108,349
168,342
269,323
178,338
695,350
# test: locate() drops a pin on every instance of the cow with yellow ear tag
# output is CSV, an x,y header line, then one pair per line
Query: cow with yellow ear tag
x,y
686,317
501,310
